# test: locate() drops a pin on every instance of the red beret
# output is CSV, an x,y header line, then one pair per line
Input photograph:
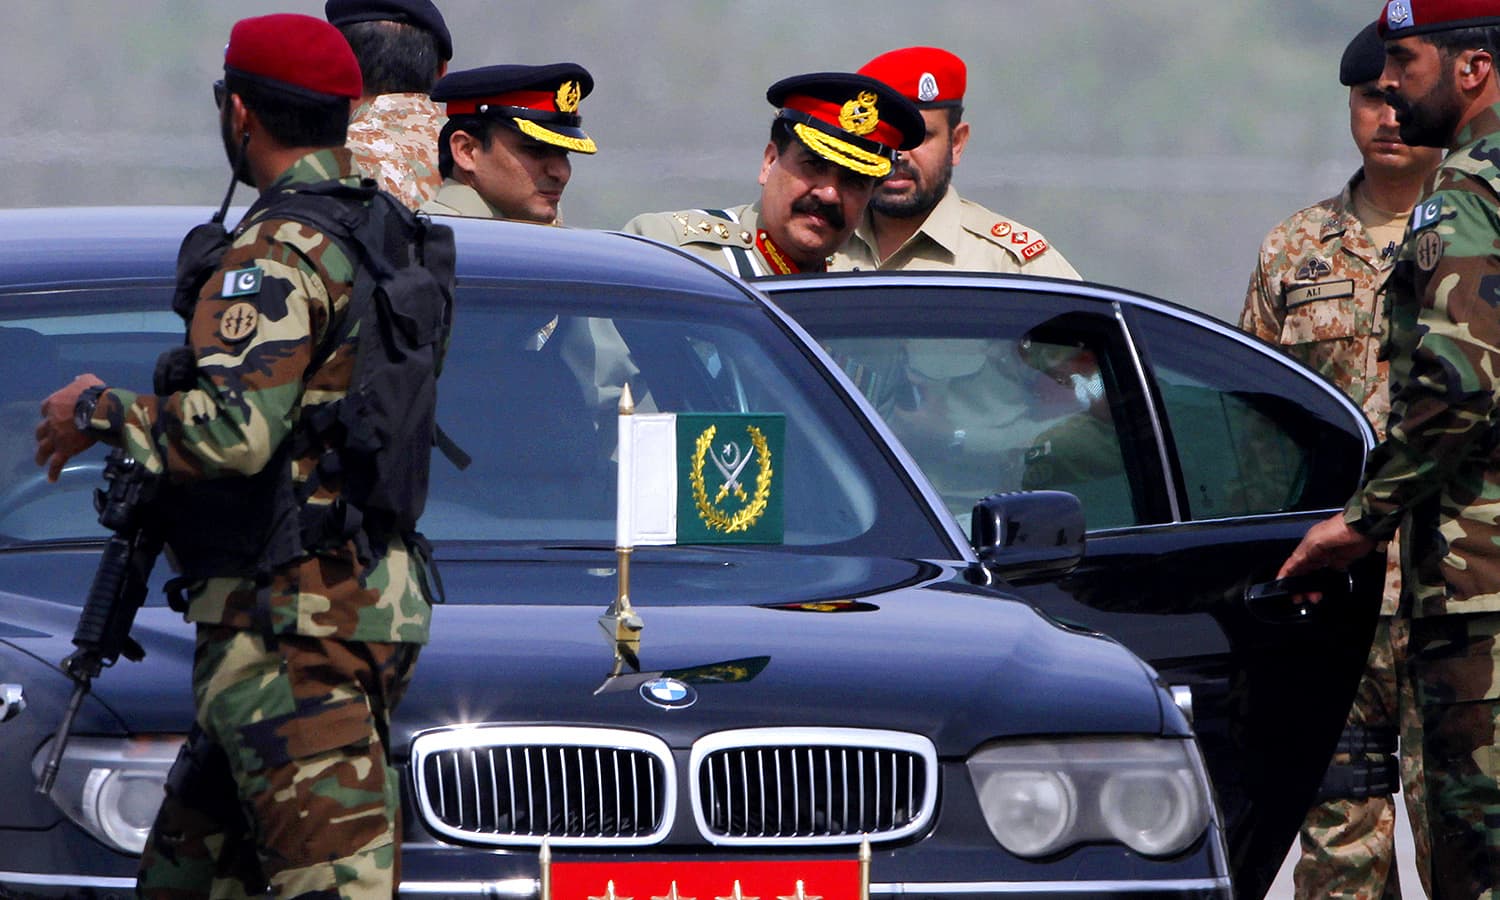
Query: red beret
x,y
1404,18
928,76
295,50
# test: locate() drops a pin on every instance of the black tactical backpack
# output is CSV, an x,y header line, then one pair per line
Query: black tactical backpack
x,y
378,439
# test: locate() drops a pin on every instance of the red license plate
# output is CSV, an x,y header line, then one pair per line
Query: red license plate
x,y
726,880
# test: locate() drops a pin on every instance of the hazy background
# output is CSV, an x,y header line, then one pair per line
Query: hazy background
x,y
1153,142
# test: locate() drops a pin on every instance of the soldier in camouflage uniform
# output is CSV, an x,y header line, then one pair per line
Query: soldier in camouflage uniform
x,y
504,152
916,218
833,137
1437,472
287,782
403,48
1317,291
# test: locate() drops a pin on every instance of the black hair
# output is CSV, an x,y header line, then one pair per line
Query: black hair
x,y
292,116
955,115
394,57
1453,42
781,134
480,128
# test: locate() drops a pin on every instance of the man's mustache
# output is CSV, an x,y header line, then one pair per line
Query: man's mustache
x,y
811,206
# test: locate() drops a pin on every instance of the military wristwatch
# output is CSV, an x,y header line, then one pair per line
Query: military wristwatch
x,y
83,407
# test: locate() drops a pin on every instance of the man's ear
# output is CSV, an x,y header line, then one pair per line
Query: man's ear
x,y
959,138
464,147
767,162
239,116
1478,69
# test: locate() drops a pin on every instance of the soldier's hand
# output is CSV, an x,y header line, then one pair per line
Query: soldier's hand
x,y
57,438
1330,544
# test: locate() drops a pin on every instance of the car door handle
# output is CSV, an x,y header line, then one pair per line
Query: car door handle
x,y
1275,601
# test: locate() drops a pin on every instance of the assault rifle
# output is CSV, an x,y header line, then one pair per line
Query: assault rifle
x,y
118,591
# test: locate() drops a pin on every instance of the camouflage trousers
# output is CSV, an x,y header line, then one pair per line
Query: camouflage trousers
x,y
1348,845
285,783
1455,665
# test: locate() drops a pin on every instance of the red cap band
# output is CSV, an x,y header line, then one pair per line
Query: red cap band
x,y
1403,18
828,112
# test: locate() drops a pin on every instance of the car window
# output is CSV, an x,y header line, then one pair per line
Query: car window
x,y
1252,435
530,390
1020,392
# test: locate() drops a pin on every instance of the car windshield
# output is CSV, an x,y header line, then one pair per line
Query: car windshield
x,y
529,390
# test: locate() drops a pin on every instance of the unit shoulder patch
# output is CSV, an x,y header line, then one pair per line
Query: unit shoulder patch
x,y
238,322
1023,243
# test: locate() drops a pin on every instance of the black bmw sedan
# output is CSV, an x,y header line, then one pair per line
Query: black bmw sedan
x,y
874,704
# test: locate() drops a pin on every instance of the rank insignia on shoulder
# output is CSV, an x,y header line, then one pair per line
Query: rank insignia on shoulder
x,y
238,321
1426,213
242,282
1000,229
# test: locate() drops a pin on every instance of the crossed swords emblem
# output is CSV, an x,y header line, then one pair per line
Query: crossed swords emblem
x,y
730,464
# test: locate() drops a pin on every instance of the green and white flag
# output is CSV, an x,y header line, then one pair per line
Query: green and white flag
x,y
701,478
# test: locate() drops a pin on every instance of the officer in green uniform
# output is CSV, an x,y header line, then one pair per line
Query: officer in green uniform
x,y
287,780
504,152
833,137
916,218
1436,474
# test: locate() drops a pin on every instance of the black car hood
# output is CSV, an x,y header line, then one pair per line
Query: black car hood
x,y
768,638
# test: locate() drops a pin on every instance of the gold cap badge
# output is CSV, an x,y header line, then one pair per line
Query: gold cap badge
x,y
860,115
568,95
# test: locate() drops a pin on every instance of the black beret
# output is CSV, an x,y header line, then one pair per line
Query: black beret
x,y
420,13
1364,58
539,101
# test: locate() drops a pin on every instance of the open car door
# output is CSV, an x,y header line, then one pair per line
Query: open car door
x,y
1200,455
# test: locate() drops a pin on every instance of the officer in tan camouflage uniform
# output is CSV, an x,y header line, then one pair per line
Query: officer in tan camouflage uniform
x,y
403,48
916,219
287,778
1436,474
504,152
1317,291
833,137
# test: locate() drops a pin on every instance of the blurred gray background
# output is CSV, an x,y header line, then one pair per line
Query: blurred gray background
x,y
1154,142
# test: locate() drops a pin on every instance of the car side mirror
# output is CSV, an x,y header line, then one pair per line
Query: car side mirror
x,y
1028,533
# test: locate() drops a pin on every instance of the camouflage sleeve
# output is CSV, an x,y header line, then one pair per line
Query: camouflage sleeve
x,y
1445,365
1263,313
253,334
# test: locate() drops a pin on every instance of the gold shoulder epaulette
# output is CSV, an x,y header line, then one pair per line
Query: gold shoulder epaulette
x,y
697,227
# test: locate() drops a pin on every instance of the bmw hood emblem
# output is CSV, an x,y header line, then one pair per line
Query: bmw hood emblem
x,y
669,693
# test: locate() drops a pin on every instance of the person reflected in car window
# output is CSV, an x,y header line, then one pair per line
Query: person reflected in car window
x,y
833,137
1080,452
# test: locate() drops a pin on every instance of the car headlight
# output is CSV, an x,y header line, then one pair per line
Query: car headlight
x,y
1040,797
112,787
